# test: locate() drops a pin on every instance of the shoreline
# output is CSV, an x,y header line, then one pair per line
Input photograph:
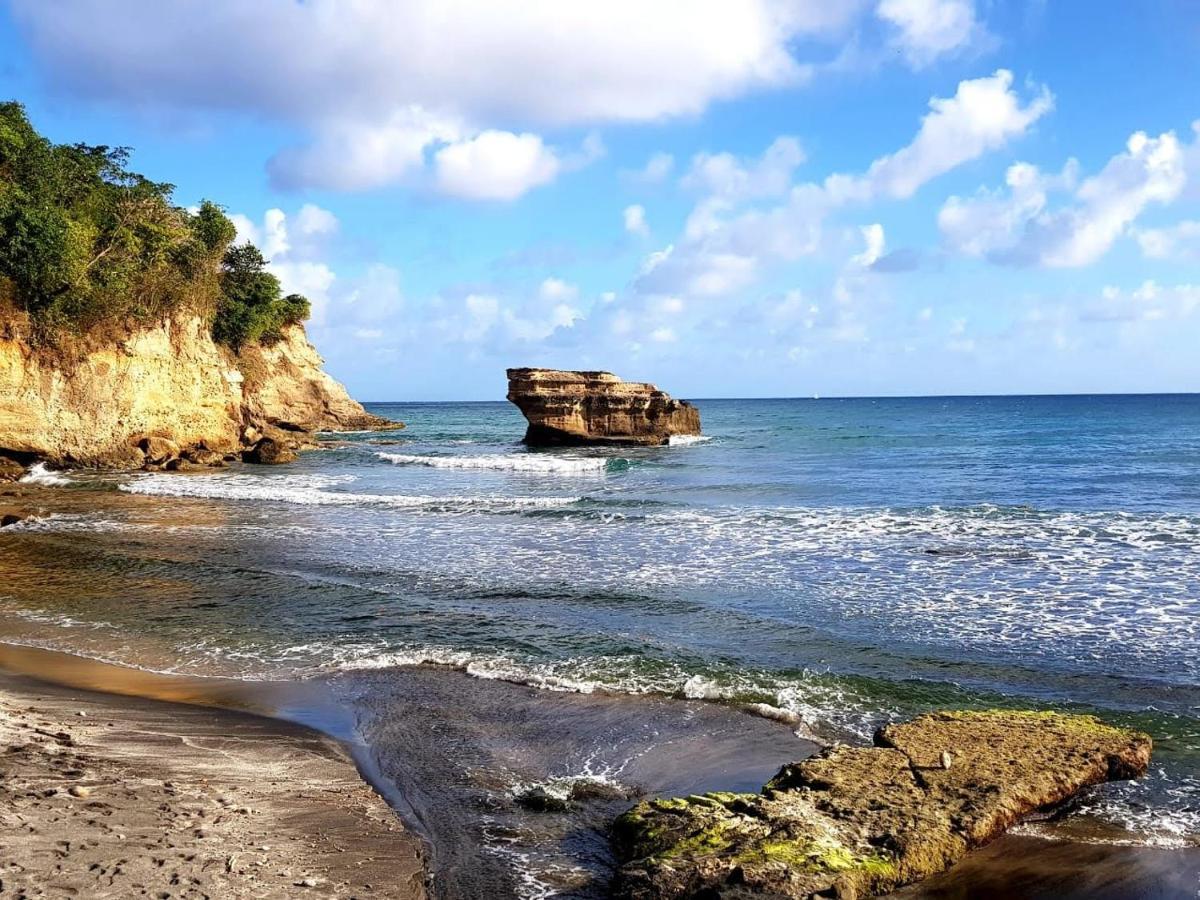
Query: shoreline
x,y
262,726
113,793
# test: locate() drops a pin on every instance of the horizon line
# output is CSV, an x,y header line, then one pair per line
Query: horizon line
x,y
811,397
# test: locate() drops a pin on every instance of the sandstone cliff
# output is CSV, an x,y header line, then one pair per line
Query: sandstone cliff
x,y
164,395
596,408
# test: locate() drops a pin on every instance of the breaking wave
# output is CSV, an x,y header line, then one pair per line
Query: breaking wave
x,y
534,463
313,490
39,474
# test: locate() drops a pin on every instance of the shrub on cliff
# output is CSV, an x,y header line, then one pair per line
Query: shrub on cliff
x,y
85,242
252,307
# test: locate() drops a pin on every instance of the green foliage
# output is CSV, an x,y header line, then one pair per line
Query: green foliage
x,y
252,308
84,241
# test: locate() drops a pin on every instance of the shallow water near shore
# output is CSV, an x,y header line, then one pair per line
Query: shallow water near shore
x,y
828,565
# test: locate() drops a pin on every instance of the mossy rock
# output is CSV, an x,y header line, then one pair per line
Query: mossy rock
x,y
861,821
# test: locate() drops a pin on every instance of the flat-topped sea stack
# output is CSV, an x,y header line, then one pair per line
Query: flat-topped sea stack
x,y
861,821
597,408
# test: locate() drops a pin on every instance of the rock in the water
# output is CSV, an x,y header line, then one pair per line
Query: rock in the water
x,y
269,451
857,822
11,517
596,408
540,799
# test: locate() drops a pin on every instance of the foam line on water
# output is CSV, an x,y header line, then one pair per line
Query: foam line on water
x,y
311,490
535,463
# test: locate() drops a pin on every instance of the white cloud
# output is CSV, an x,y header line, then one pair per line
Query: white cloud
x,y
1149,302
924,30
375,85
1020,228
731,236
555,290
874,238
983,115
656,170
723,175
1180,241
291,245
495,165
992,218
635,220
348,153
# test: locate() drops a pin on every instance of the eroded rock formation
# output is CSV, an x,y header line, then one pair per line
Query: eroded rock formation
x,y
164,396
596,408
856,822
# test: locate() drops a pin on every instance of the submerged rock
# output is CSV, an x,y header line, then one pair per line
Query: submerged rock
x,y
861,821
596,408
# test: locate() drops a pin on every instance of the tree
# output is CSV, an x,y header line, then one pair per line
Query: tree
x,y
84,240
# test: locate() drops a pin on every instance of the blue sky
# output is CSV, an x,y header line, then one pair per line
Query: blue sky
x,y
751,198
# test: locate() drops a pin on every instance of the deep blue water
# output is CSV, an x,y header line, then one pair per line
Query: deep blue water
x,y
847,560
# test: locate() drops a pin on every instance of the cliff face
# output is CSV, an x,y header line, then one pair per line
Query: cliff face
x,y
164,393
596,408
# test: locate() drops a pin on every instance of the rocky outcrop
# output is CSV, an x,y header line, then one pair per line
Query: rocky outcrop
x,y
861,821
164,396
596,408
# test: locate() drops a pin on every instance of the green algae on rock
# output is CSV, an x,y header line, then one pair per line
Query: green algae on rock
x,y
861,821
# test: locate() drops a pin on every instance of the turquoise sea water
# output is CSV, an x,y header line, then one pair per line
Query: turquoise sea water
x,y
840,562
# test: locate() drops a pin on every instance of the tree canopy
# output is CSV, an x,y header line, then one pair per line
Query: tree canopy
x,y
84,241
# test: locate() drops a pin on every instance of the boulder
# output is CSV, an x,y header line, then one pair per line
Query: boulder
x,y
11,469
269,451
12,517
596,408
204,457
861,821
158,451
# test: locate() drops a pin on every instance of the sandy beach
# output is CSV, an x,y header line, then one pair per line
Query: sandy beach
x,y
104,796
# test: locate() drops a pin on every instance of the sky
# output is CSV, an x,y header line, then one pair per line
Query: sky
x,y
730,198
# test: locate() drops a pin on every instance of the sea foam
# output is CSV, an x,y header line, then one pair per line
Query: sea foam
x,y
540,464
39,474
311,490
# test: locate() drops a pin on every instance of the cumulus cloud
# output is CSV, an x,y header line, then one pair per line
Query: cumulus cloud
x,y
1019,226
378,85
292,245
752,214
634,217
983,115
725,176
874,239
657,169
925,30
1180,241
495,165
1149,302
354,154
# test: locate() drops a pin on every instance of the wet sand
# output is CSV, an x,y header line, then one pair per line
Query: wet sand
x,y
105,796
448,752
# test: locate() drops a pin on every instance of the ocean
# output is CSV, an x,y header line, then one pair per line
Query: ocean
x,y
806,571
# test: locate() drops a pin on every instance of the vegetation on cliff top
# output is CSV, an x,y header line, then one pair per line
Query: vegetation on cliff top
x,y
84,242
